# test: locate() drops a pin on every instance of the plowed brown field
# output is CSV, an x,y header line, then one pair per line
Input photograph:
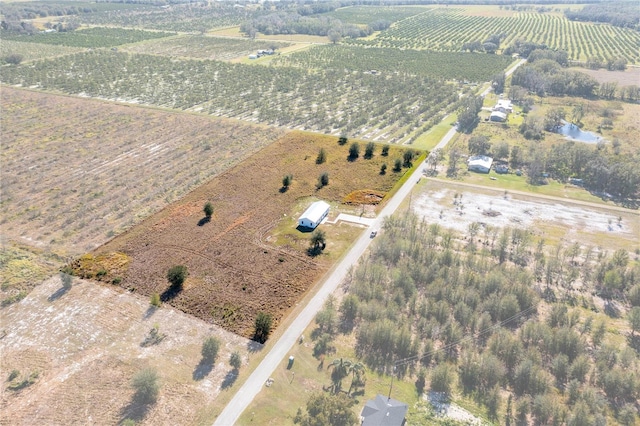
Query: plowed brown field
x,y
234,271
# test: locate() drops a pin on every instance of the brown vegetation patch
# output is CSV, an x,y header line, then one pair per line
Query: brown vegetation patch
x,y
234,271
631,76
364,196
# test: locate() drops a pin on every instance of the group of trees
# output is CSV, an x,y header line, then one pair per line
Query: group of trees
x,y
544,74
490,45
468,113
430,299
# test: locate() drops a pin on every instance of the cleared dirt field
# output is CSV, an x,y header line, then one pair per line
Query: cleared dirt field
x,y
85,346
547,218
77,172
234,270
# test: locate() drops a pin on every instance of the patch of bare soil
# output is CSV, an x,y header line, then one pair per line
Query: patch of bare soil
x,y
234,272
84,346
458,209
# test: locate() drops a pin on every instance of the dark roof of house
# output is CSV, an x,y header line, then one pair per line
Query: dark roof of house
x,y
383,411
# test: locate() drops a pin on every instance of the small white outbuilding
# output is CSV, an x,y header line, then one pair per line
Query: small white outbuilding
x,y
314,215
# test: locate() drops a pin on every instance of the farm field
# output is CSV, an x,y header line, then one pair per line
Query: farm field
x,y
74,180
234,269
203,47
441,65
622,78
365,15
85,344
178,17
33,51
329,101
448,28
90,37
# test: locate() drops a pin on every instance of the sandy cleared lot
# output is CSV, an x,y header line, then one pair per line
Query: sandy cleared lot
x,y
436,205
85,345
623,78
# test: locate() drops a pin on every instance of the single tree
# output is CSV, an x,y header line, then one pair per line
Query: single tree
x,y
263,325
322,156
368,151
208,210
334,36
354,151
340,369
342,140
286,182
146,385
397,165
210,349
441,379
235,360
479,145
454,157
318,242
383,169
177,275
385,150
408,157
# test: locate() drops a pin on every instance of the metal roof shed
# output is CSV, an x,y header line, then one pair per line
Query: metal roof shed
x,y
312,217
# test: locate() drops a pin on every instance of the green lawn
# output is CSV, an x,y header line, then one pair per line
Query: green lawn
x,y
431,138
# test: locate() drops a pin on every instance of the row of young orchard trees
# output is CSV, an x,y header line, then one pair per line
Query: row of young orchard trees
x,y
494,312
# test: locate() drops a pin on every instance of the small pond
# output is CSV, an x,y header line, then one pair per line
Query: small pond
x,y
573,132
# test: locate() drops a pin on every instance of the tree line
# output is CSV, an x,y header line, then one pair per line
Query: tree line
x,y
617,13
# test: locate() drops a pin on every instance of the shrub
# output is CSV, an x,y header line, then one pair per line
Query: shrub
x,y
208,210
155,300
146,386
383,169
235,360
323,180
14,373
385,150
177,275
322,156
13,59
397,165
342,140
210,349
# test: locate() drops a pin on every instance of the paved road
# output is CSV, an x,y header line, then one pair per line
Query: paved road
x,y
257,379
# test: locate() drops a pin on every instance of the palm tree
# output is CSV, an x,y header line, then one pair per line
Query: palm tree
x,y
341,368
357,370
